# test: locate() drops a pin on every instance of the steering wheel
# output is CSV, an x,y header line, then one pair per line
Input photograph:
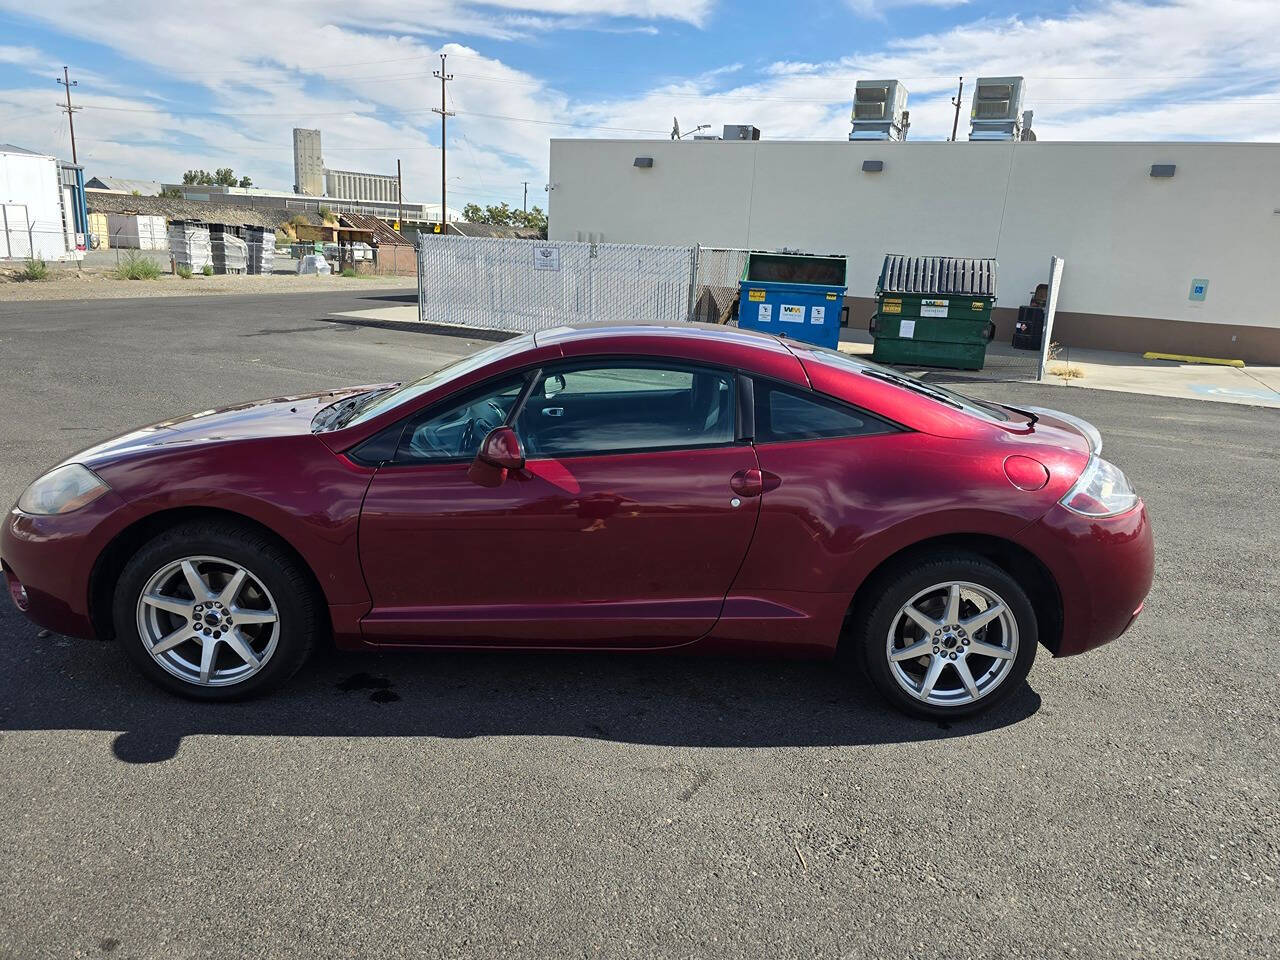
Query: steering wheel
x,y
472,434
478,428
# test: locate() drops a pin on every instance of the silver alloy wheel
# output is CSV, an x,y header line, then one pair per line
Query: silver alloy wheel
x,y
952,643
208,621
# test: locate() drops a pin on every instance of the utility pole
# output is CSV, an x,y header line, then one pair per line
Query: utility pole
x,y
444,115
955,102
67,82
399,198
526,195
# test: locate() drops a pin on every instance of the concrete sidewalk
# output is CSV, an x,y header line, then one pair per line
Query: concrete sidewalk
x,y
1129,373
1096,369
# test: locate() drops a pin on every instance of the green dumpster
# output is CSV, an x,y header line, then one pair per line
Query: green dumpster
x,y
934,312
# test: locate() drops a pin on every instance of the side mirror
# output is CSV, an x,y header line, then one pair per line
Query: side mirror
x,y
501,448
553,385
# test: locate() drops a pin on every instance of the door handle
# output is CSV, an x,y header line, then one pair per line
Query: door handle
x,y
748,482
553,411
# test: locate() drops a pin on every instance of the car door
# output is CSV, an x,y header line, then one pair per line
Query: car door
x,y
625,527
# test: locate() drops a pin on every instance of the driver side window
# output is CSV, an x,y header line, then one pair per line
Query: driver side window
x,y
456,431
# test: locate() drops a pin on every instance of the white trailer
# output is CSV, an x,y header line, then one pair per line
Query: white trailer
x,y
31,212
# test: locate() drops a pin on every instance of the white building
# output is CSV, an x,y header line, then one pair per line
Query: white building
x,y
1168,246
35,215
351,185
308,164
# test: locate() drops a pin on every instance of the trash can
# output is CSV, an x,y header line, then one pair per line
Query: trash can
x,y
793,295
934,312
1028,329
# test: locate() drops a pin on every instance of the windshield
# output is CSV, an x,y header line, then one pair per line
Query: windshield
x,y
977,408
377,404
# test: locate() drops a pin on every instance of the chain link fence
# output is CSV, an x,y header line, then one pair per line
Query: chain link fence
x,y
519,286
716,273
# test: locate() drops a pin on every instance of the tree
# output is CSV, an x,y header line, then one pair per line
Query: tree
x,y
503,215
173,193
223,176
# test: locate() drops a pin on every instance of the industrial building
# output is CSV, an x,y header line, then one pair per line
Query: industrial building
x,y
123,185
1168,246
265,199
42,206
313,179
350,185
308,164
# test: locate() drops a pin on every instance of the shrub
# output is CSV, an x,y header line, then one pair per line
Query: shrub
x,y
184,272
34,270
207,269
349,272
135,266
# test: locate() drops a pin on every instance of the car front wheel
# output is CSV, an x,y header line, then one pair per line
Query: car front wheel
x,y
215,611
947,637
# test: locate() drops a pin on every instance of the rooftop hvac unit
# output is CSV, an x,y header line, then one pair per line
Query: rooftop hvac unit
x,y
879,110
741,131
997,109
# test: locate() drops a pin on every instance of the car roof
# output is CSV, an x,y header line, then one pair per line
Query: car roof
x,y
709,333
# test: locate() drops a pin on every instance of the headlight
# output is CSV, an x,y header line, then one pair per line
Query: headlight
x,y
62,490
1101,491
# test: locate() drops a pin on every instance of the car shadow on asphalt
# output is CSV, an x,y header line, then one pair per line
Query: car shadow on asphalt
x,y
55,683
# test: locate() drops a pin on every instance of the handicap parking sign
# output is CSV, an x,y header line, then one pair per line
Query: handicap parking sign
x,y
1198,289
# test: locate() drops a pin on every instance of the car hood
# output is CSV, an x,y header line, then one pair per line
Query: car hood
x,y
275,417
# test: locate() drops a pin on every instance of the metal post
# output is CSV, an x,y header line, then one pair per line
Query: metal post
x,y
399,198
1050,309
693,282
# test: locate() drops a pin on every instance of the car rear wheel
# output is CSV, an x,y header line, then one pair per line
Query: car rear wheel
x,y
215,611
948,636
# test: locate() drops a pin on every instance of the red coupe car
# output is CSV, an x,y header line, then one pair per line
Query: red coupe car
x,y
637,488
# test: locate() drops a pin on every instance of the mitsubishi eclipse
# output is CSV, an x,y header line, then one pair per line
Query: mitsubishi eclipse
x,y
627,488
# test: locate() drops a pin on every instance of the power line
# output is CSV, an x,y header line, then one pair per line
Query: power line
x,y
353,113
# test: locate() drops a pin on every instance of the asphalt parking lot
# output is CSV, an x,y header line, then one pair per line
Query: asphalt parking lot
x,y
558,806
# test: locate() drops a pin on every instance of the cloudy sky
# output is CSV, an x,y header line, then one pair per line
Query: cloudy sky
x,y
164,91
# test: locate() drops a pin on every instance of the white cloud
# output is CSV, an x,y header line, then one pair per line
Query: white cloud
x,y
1109,70
876,9
21,56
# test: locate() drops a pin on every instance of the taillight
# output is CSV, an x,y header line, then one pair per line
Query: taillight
x,y
1102,491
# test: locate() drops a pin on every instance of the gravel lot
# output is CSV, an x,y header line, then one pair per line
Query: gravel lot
x,y
98,284
512,806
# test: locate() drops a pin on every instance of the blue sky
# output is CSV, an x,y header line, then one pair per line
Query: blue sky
x,y
163,92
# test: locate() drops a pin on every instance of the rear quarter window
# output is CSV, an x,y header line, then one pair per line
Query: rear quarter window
x,y
787,413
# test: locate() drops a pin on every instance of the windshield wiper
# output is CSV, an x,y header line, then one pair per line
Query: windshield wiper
x,y
337,415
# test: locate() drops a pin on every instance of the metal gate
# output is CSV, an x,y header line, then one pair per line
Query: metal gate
x,y
716,273
522,286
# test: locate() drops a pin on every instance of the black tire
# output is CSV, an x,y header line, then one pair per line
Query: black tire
x,y
891,589
297,603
